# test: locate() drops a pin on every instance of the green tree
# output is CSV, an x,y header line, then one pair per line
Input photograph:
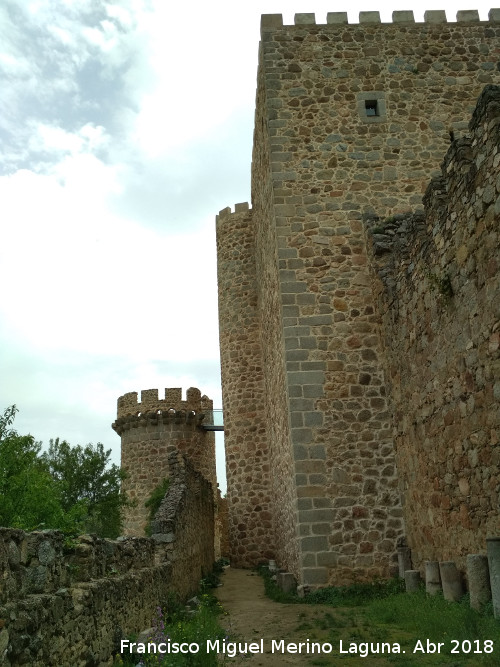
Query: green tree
x,y
29,497
73,489
86,479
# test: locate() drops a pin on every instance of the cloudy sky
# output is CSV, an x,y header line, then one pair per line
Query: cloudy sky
x,y
125,127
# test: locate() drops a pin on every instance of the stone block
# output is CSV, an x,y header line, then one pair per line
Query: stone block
x,y
313,391
369,17
337,18
304,19
451,579
286,581
494,14
314,544
493,550
318,515
243,207
303,590
301,436
313,419
403,17
404,560
435,16
315,575
468,15
293,287
270,22
327,558
307,377
412,580
478,576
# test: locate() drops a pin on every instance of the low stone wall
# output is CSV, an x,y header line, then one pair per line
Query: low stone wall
x,y
439,298
70,603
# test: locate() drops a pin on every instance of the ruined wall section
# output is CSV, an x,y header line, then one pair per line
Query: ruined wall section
x,y
245,433
188,544
150,430
331,161
438,291
70,604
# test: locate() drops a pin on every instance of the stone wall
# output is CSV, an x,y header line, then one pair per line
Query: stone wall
x,y
350,120
70,604
245,435
268,249
438,291
222,519
150,430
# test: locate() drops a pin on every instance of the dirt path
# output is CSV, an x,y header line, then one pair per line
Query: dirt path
x,y
253,617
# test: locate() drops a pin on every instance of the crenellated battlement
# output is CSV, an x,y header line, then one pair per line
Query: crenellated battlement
x,y
225,213
153,418
432,16
128,405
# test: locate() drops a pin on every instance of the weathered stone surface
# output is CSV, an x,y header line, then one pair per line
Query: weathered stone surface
x,y
150,431
89,595
353,120
432,577
437,294
451,579
478,578
412,580
493,549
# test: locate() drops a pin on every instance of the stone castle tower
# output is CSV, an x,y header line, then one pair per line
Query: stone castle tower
x,y
150,430
352,120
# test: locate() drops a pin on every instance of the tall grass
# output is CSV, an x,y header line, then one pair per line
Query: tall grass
x,y
175,625
434,618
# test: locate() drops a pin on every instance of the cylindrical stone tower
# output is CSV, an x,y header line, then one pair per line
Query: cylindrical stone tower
x,y
247,462
149,431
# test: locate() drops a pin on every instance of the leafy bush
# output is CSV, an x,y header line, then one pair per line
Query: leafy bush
x,y
73,489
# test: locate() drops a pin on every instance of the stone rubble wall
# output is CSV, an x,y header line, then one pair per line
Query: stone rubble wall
x,y
150,430
438,291
71,604
185,523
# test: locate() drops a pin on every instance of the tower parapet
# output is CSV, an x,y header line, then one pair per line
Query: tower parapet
x,y
152,428
432,16
128,405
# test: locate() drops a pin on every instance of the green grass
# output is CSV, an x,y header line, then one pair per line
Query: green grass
x,y
174,625
382,612
336,596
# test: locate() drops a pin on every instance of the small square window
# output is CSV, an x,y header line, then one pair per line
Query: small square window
x,y
371,108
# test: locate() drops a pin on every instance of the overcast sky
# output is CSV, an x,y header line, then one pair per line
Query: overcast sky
x,y
125,127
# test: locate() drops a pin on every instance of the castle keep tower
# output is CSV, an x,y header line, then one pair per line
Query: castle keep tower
x,y
150,430
351,120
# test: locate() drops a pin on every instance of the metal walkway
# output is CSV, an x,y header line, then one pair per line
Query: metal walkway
x,y
213,421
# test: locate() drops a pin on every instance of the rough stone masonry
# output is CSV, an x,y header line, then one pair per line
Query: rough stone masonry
x,y
355,416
